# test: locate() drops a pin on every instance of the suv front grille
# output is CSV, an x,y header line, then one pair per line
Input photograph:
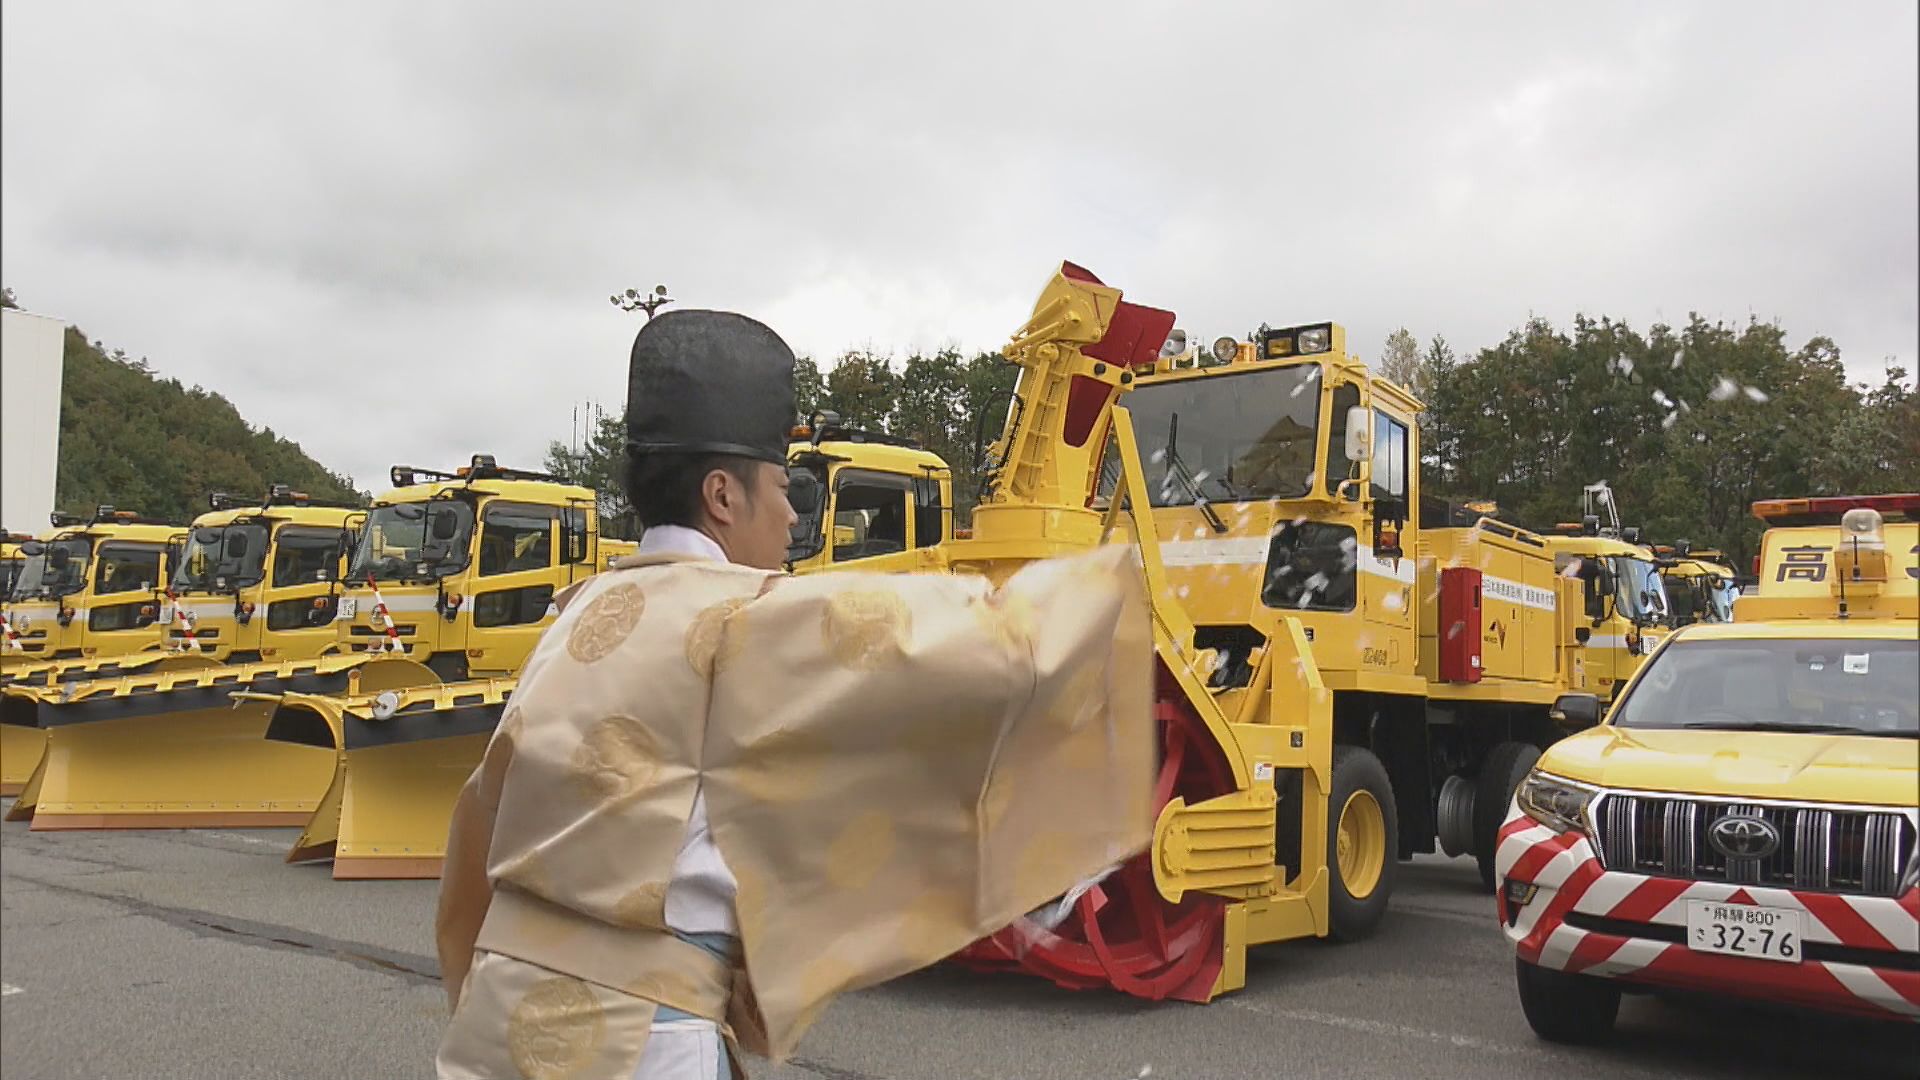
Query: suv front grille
x,y
1821,848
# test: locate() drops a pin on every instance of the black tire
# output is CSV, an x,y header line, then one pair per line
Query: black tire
x,y
1500,775
1562,1008
1350,917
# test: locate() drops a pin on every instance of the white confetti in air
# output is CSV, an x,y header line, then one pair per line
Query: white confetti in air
x,y
1661,399
1391,602
1158,456
1756,393
1667,420
1145,1071
1454,630
1723,389
1297,387
1678,359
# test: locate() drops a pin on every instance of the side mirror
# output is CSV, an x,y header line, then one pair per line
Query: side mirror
x,y
236,545
445,525
1575,711
803,493
59,558
1359,434
32,548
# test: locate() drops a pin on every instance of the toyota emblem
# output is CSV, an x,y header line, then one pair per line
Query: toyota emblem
x,y
1742,836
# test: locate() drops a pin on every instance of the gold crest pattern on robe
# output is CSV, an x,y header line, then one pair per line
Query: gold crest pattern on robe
x,y
894,766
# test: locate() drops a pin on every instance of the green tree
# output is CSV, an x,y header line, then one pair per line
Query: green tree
x,y
600,463
861,389
139,442
1400,360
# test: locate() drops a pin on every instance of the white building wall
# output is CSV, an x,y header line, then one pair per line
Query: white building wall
x,y
30,367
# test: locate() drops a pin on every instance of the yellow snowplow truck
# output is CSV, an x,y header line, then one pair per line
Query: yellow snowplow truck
x,y
405,754
181,749
255,578
454,572
91,589
231,563
863,495
86,600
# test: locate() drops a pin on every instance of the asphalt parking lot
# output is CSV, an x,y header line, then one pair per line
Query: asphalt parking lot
x,y
200,955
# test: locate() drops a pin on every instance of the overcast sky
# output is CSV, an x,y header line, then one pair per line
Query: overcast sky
x,y
389,230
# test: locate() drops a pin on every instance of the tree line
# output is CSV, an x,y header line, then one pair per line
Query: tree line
x,y
1689,425
135,441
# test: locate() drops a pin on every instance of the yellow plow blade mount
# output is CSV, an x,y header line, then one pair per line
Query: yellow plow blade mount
x,y
185,749
22,742
401,759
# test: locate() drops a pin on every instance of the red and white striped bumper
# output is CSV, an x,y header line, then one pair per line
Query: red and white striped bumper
x,y
1864,951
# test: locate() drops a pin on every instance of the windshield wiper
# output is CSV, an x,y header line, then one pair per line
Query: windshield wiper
x,y
1178,470
1802,729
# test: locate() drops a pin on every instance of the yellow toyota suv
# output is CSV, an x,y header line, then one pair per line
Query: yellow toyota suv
x,y
1744,820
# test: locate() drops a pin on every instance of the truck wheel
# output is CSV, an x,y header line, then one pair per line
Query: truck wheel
x,y
1362,844
1500,776
1566,1008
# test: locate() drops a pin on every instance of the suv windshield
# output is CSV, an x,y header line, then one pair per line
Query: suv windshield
x,y
411,541
1248,435
1638,590
1792,684
44,575
223,557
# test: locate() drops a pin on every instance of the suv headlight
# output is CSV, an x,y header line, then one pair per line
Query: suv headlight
x,y
1559,804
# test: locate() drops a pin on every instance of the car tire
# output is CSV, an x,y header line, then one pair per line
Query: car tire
x,y
1500,776
1358,779
1562,1008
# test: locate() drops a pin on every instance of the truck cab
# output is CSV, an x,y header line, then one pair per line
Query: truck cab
x,y
1699,583
1742,822
92,588
1285,478
863,495
458,570
256,578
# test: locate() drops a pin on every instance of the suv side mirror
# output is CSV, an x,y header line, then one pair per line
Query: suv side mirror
x,y
1575,711
1359,434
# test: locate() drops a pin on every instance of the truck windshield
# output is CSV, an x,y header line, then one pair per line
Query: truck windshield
x,y
221,557
1248,435
1857,687
53,574
413,541
1638,590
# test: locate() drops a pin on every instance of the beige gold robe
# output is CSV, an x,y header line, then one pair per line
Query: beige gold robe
x,y
894,766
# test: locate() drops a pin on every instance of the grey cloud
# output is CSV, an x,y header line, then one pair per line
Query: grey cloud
x,y
389,230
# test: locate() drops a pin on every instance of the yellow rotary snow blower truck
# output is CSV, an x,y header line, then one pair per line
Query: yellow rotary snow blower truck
x,y
1175,920
1285,479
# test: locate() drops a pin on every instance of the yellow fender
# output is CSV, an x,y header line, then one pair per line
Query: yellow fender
x,y
183,748
401,758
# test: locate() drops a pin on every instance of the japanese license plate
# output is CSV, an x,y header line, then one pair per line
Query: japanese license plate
x,y
1744,930
349,607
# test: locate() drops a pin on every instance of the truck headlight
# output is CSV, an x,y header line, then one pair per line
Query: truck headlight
x,y
1558,804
